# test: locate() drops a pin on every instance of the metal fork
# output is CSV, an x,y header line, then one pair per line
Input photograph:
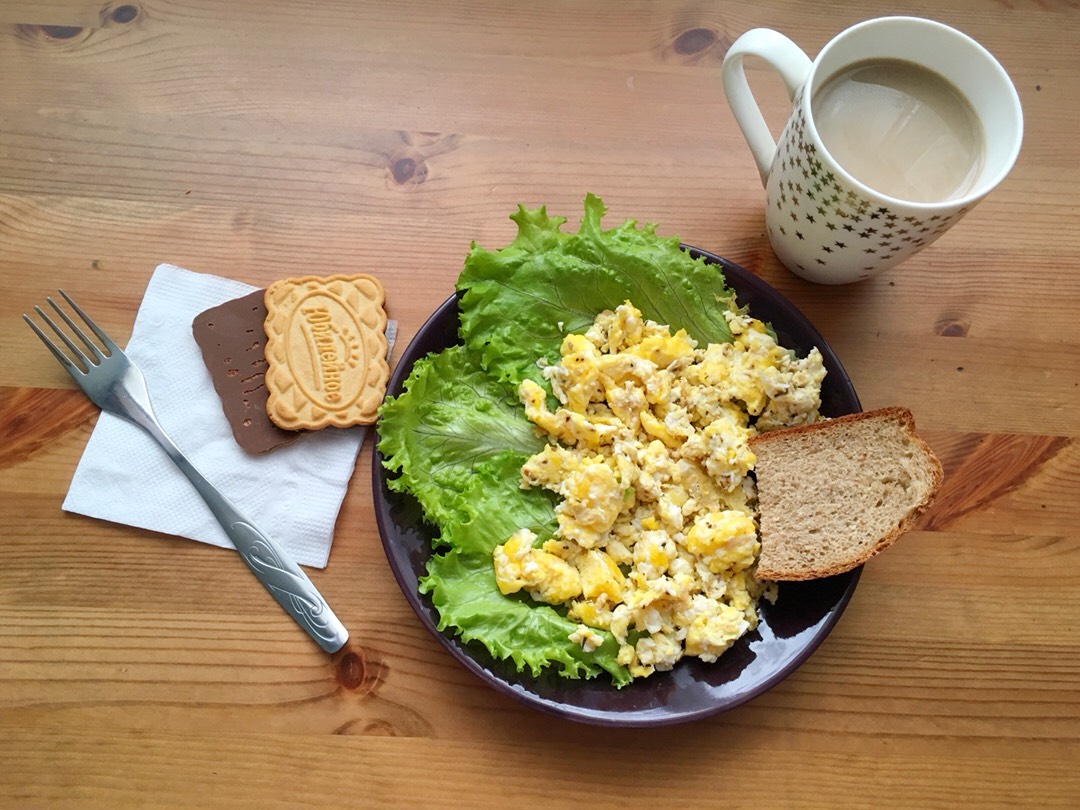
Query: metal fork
x,y
115,384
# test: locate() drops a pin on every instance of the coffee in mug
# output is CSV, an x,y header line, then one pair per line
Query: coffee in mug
x,y
901,129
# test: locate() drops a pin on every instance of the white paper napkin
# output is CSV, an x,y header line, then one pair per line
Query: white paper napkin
x,y
293,492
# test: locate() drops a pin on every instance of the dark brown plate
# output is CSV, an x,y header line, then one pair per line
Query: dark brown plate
x,y
789,631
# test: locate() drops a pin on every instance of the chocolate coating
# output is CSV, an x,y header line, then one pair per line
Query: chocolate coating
x,y
232,340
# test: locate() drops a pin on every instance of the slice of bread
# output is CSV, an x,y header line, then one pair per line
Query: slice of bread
x,y
833,494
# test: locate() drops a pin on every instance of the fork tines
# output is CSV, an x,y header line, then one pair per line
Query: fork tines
x,y
65,361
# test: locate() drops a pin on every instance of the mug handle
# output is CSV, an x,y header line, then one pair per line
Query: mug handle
x,y
783,56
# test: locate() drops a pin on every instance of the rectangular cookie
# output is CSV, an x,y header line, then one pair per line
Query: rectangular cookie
x,y
231,338
326,351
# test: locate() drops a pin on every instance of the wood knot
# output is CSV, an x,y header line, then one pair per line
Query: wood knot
x,y
700,43
952,327
124,14
407,170
403,169
61,31
408,161
351,669
51,33
359,671
695,40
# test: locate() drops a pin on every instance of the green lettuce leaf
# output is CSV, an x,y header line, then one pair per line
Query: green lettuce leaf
x,y
519,302
497,506
451,419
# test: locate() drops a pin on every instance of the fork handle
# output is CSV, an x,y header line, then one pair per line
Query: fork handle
x,y
270,563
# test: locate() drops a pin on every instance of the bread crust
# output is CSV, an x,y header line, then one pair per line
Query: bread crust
x,y
904,418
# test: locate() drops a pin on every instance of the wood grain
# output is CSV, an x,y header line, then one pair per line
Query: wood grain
x,y
257,141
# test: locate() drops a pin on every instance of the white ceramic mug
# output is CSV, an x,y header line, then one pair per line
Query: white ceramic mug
x,y
823,223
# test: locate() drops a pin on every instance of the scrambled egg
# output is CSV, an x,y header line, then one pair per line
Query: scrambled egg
x,y
656,538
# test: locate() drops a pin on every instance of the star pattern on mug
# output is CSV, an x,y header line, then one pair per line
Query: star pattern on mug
x,y
823,207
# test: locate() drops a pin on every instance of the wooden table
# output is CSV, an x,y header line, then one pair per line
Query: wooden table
x,y
256,141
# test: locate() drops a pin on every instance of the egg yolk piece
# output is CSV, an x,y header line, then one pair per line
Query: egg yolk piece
x,y
725,540
545,576
663,350
592,500
710,635
600,576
